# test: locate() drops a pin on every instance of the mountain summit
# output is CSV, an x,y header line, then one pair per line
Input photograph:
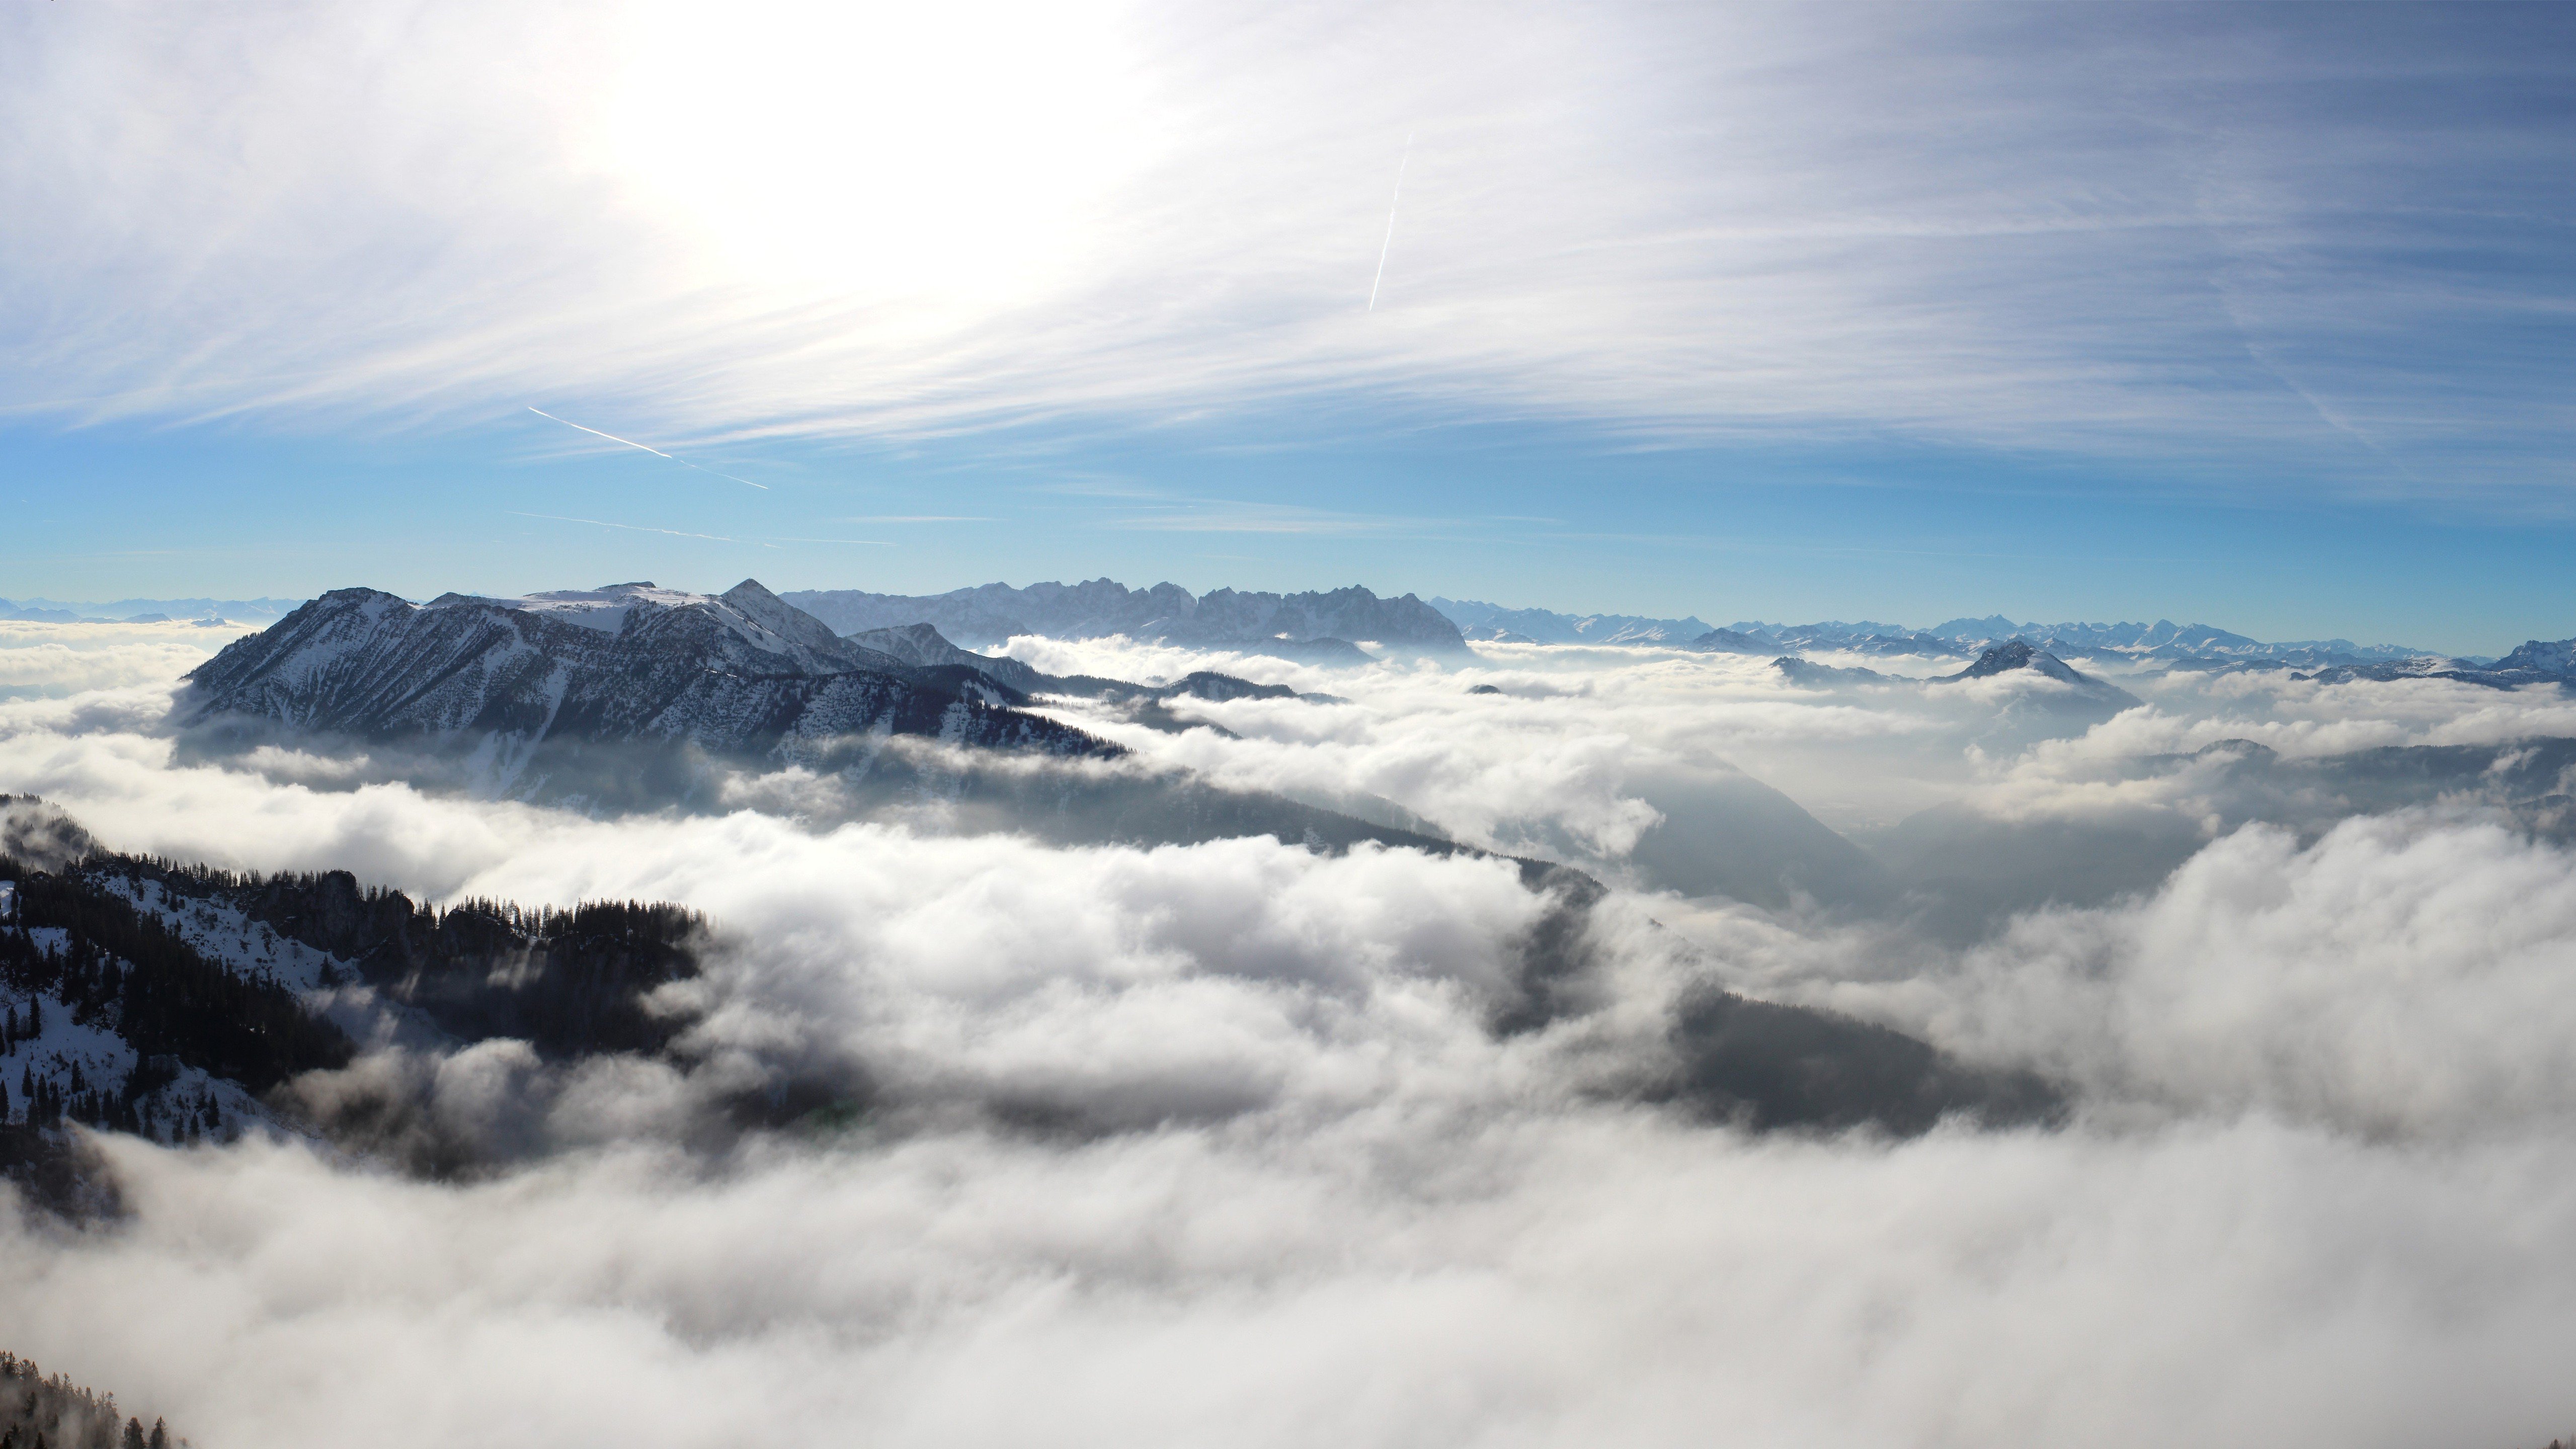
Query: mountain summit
x,y
2020,656
515,685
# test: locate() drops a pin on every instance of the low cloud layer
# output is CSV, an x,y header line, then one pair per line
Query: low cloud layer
x,y
1222,1141
40,661
1539,1280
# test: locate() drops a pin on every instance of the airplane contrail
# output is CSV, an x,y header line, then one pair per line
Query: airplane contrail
x,y
1389,244
629,527
656,452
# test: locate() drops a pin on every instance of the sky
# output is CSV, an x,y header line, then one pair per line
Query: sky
x,y
2243,315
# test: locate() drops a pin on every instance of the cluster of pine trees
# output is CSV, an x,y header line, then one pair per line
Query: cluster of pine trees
x,y
129,973
17,1026
570,982
53,1099
37,1412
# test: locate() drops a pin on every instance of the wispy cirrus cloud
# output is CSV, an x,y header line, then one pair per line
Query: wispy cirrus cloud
x,y
2101,231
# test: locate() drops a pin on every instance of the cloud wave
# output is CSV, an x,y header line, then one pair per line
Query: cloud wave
x,y
1221,1141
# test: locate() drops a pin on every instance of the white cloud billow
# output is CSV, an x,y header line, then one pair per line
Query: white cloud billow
x,y
1216,1142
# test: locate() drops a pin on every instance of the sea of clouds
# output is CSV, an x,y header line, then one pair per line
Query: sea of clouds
x,y
1220,1142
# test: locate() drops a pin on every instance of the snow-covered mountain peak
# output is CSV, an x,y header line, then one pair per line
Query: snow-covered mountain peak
x,y
2021,657
605,608
2543,656
771,621
750,611
2015,654
758,622
523,687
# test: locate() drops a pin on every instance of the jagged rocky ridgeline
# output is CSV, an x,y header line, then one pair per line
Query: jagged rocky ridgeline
x,y
621,697
2537,661
1313,627
560,682
2163,644
611,699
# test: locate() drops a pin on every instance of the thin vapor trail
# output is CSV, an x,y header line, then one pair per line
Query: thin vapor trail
x,y
1389,244
629,527
683,462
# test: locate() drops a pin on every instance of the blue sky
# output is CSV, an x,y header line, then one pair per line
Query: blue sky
x,y
2254,316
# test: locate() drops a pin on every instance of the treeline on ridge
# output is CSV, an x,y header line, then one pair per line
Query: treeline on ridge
x,y
74,945
37,1412
570,982
129,970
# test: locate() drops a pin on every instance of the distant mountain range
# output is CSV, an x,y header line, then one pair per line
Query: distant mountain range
x,y
2078,693
2176,644
147,611
2537,661
1496,624
1328,628
1321,627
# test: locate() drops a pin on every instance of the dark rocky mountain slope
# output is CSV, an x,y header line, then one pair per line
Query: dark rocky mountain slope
x,y
565,689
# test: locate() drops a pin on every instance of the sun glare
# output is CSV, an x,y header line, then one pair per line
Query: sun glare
x,y
941,155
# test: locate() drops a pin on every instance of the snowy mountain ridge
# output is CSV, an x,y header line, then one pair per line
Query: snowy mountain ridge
x,y
177,1002
146,611
514,684
1099,608
2535,661
1493,623
1963,638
